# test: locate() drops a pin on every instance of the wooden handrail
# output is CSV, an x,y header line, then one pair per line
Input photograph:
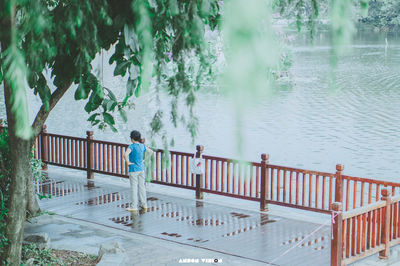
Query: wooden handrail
x,y
301,170
395,199
222,159
369,180
63,136
364,209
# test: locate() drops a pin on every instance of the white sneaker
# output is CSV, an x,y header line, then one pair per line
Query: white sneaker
x,y
134,211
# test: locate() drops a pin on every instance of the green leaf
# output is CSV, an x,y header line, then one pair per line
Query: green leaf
x,y
95,122
173,8
95,100
123,115
156,124
87,83
111,94
131,38
16,73
111,105
134,71
138,89
44,91
121,68
130,87
81,92
79,18
93,117
1,76
99,91
364,8
113,128
136,60
108,119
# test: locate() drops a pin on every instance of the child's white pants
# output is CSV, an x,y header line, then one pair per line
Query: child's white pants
x,y
137,180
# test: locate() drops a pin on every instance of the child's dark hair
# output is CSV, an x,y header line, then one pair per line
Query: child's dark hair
x,y
135,135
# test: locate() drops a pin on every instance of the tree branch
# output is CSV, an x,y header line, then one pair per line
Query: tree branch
x,y
42,115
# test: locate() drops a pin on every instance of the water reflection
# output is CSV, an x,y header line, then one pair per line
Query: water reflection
x,y
102,199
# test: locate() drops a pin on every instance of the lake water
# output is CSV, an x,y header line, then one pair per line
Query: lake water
x,y
309,125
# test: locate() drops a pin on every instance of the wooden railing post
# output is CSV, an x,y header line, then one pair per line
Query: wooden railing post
x,y
264,182
336,241
384,254
339,183
199,177
43,147
90,154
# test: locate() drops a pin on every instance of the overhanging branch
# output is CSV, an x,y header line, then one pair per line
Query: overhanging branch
x,y
42,115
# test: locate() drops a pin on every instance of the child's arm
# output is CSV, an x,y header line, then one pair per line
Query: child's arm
x,y
126,155
149,151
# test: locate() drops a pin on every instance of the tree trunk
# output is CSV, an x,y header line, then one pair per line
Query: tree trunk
x,y
32,207
21,171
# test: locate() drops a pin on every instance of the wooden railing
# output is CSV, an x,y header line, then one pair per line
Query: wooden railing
x,y
232,178
366,230
358,191
63,151
274,184
177,174
107,158
303,188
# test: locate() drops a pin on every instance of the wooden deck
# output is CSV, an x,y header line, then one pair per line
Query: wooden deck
x,y
254,235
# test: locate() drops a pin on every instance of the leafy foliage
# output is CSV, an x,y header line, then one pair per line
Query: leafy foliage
x,y
167,32
171,34
15,66
252,52
5,180
383,14
40,256
342,26
305,12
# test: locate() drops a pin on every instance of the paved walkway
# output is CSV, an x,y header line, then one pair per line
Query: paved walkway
x,y
73,234
174,228
178,229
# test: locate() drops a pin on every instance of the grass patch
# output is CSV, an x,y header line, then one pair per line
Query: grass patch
x,y
33,255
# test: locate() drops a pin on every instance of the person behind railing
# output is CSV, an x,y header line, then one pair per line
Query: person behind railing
x,y
134,155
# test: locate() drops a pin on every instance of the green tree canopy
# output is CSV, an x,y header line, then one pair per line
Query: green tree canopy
x,y
64,37
143,32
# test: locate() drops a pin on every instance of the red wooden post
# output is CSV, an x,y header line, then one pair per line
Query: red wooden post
x,y
43,147
339,183
199,179
384,254
264,182
90,154
336,242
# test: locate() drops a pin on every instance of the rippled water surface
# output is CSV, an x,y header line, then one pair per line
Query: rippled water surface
x,y
310,125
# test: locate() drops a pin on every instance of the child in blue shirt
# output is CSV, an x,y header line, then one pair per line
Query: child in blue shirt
x,y
134,156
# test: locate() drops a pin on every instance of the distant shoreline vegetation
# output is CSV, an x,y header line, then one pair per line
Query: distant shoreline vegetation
x,y
324,25
380,15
